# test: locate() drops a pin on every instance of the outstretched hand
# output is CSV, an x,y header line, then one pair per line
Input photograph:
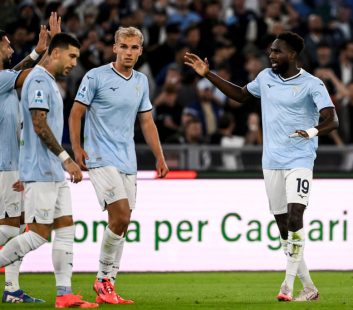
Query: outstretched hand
x,y
195,62
54,24
42,41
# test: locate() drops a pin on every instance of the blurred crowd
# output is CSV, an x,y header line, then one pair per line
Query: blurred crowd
x,y
234,36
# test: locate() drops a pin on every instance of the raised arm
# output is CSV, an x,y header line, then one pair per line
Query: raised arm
x,y
41,47
41,128
28,61
78,110
231,90
150,133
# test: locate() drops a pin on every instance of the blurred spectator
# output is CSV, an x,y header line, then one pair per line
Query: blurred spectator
x,y
167,112
206,107
183,15
157,30
167,49
244,24
344,21
344,67
225,138
317,34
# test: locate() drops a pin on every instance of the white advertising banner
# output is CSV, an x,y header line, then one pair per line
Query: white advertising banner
x,y
209,225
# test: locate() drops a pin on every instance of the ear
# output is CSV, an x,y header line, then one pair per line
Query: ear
x,y
141,50
115,47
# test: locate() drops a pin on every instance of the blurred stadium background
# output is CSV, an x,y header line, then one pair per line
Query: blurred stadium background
x,y
211,213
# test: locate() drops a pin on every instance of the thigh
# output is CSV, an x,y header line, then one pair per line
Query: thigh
x,y
298,185
39,202
63,205
10,201
108,184
276,190
129,181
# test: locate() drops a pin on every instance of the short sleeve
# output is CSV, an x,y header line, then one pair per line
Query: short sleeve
x,y
38,94
320,95
8,80
145,104
87,89
254,87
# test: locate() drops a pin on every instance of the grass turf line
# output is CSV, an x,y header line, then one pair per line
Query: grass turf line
x,y
214,290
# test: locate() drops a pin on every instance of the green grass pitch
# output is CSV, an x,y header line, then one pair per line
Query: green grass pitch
x,y
213,290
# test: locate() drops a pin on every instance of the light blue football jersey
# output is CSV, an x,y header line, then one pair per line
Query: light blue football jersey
x,y
37,162
10,121
113,102
289,105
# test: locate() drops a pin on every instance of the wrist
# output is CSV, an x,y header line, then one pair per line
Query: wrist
x,y
34,55
312,132
63,156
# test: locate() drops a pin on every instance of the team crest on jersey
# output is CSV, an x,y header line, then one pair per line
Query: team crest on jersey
x,y
38,97
82,92
295,90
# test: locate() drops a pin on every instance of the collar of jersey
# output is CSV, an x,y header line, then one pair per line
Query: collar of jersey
x,y
46,71
291,77
117,72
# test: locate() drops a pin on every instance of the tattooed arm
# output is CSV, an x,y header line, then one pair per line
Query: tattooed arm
x,y
40,125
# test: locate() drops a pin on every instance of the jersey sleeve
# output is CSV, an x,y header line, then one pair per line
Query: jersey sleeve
x,y
145,104
87,89
320,95
254,87
8,80
38,94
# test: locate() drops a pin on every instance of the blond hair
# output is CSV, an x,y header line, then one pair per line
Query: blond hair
x,y
128,32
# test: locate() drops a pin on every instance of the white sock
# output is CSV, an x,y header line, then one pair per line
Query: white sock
x,y
295,248
62,255
7,232
303,272
19,246
304,275
12,270
116,264
109,248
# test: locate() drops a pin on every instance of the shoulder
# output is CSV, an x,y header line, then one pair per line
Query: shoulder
x,y
139,75
311,80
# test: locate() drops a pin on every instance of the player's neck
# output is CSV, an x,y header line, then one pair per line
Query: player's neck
x,y
122,69
290,72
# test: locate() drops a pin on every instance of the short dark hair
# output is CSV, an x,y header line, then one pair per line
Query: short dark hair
x,y
295,41
2,34
63,40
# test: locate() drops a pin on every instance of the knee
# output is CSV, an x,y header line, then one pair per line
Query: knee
x,y
119,225
295,217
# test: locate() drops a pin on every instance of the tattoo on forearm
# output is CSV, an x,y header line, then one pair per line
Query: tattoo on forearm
x,y
26,63
39,119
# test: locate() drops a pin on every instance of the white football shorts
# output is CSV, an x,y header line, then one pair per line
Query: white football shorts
x,y
46,201
10,201
112,185
287,186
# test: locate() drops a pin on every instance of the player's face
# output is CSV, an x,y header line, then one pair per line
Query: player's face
x,y
127,50
66,60
280,56
6,51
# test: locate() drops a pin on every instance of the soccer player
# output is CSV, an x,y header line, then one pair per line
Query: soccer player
x,y
292,100
47,199
112,96
11,207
